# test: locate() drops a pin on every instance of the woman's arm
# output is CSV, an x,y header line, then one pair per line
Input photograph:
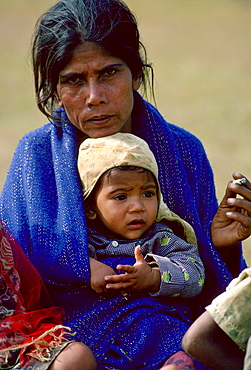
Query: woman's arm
x,y
98,272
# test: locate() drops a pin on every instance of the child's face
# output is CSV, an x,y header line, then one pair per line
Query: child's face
x,y
127,202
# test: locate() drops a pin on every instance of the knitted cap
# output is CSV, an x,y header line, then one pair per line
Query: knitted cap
x,y
97,155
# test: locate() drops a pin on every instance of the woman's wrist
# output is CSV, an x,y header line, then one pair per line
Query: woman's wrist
x,y
231,257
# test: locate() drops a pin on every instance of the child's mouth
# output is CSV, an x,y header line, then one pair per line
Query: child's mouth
x,y
136,224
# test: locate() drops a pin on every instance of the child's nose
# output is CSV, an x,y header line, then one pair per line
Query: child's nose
x,y
137,205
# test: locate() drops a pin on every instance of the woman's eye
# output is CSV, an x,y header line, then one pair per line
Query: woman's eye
x,y
148,194
76,80
120,197
109,72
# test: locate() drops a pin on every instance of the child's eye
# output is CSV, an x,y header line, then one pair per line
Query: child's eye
x,y
120,197
148,194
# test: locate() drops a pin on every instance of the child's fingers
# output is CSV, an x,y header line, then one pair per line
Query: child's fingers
x,y
126,268
118,278
122,285
138,255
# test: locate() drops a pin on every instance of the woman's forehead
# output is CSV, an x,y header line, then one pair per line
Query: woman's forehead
x,y
89,55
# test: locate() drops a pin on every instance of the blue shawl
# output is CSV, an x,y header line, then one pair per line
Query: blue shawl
x,y
42,205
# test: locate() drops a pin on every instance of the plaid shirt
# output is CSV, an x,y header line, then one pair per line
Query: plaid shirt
x,y
181,269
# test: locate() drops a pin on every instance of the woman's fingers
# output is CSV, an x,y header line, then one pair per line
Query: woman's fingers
x,y
244,204
238,181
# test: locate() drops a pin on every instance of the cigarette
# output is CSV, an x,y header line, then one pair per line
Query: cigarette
x,y
240,181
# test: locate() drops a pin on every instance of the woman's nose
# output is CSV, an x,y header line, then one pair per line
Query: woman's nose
x,y
96,94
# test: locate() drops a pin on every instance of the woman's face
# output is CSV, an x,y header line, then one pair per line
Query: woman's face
x,y
96,91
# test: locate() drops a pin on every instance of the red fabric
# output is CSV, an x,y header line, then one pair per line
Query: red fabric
x,y
24,323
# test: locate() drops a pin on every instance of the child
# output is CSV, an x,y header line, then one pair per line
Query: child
x,y
127,218
220,337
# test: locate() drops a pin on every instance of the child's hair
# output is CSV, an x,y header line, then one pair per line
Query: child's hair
x,y
90,202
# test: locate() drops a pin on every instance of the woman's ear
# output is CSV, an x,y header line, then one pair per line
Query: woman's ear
x,y
91,214
60,104
136,83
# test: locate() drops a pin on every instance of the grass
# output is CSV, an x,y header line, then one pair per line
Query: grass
x,y
201,54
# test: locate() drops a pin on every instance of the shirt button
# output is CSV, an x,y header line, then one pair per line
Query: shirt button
x,y
115,243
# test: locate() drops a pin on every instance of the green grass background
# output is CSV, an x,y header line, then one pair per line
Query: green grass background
x,y
201,53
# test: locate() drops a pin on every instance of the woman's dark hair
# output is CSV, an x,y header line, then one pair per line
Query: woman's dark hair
x,y
108,23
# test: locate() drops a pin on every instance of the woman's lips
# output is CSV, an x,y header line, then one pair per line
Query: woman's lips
x,y
97,120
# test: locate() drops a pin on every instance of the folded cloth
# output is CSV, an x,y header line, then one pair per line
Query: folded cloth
x,y
25,325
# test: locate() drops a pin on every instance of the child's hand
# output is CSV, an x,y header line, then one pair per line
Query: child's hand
x,y
98,271
232,222
137,278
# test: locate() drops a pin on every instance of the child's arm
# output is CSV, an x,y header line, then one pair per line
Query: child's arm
x,y
181,269
138,277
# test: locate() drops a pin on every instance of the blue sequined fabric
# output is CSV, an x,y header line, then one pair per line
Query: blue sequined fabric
x,y
42,205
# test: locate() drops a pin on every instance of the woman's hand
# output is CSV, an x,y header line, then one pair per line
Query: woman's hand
x,y
98,272
232,222
136,278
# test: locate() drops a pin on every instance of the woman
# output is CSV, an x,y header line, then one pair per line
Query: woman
x,y
88,64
